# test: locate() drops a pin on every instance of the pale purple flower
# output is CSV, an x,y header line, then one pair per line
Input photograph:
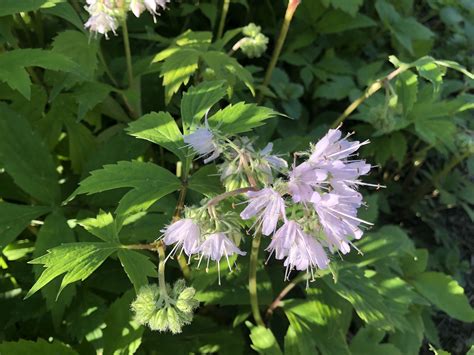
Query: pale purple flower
x,y
332,147
337,212
137,7
274,161
215,247
154,5
101,19
302,251
302,180
267,206
203,142
184,234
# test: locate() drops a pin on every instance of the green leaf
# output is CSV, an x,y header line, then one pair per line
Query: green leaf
x,y
229,69
54,231
434,73
77,260
122,335
367,340
65,11
38,347
206,181
349,6
10,7
18,143
240,117
263,340
337,88
89,95
177,70
445,293
82,143
338,21
14,218
125,174
137,266
198,99
103,227
13,63
160,128
407,90
399,146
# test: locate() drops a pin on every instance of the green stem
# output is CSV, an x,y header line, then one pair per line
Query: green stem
x,y
368,93
253,280
290,10
225,9
161,269
128,53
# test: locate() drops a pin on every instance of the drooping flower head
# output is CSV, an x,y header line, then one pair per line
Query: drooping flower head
x,y
267,206
102,16
152,6
216,246
184,234
203,142
300,250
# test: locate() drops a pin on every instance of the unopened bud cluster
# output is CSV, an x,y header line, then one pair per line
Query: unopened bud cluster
x,y
165,310
105,15
254,44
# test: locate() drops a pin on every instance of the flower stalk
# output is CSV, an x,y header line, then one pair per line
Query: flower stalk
x,y
253,280
128,52
290,11
225,10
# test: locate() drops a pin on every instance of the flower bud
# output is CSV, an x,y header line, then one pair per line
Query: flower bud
x,y
159,320
251,30
254,47
144,305
175,323
186,302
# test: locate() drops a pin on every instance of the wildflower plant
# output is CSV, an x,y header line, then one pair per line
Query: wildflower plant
x,y
175,178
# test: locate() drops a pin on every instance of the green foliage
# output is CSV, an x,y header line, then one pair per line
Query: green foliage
x,y
75,128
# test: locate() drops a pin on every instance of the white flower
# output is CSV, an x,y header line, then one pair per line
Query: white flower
x,y
337,212
101,18
302,180
185,234
137,7
268,206
151,6
215,247
302,251
203,142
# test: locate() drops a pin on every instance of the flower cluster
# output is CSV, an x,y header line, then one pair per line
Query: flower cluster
x,y
241,159
207,237
320,193
254,44
105,15
163,310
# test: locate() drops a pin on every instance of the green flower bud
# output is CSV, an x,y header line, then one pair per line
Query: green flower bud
x,y
159,320
175,322
254,47
178,287
251,30
187,293
144,305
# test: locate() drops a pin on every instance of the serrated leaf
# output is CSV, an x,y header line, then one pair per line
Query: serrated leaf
x,y
263,340
198,99
337,88
54,231
122,335
13,64
338,21
38,347
240,117
206,181
445,293
177,70
160,128
125,174
89,95
399,146
103,226
18,143
65,11
77,260
137,266
14,218
82,143
368,339
228,68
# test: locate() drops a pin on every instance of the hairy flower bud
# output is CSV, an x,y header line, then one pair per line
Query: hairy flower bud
x,y
144,305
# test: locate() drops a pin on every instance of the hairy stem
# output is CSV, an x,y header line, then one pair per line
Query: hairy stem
x,y
128,53
225,9
214,201
253,280
276,303
161,269
290,11
368,93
